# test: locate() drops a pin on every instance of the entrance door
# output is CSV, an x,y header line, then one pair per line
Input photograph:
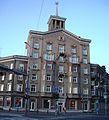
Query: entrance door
x,y
32,106
60,107
85,107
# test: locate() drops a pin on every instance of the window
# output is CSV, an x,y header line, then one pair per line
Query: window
x,y
70,78
34,77
48,88
85,60
49,66
61,79
93,83
33,88
74,60
49,46
84,51
49,57
1,87
61,48
70,69
19,87
70,90
85,91
60,89
10,76
9,85
35,54
61,69
20,77
3,77
48,77
74,68
8,101
35,66
85,81
73,104
1,101
75,79
18,102
36,45
21,67
73,50
11,66
61,59
75,90
85,70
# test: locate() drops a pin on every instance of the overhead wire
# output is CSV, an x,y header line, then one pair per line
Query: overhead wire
x,y
40,14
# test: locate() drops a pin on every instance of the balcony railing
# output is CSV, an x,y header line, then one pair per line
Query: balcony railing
x,y
74,60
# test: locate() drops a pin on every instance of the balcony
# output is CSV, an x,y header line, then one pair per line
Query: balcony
x,y
49,57
74,60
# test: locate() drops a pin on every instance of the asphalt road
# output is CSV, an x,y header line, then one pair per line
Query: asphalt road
x,y
45,116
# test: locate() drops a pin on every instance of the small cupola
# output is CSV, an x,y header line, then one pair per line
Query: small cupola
x,y
55,21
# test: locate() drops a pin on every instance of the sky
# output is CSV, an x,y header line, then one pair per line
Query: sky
x,y
85,18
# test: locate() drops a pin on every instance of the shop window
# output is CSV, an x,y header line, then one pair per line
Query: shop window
x,y
46,103
8,101
18,102
1,101
73,104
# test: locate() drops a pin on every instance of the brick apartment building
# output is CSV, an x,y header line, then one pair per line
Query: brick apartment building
x,y
12,85
59,68
59,73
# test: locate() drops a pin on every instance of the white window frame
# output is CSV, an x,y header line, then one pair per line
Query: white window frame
x,y
75,90
85,80
11,66
48,88
74,50
9,86
20,77
61,48
35,66
61,69
49,46
75,79
49,65
85,91
35,54
20,100
21,67
60,90
85,60
61,79
1,87
8,99
85,52
3,77
85,70
19,87
36,45
10,76
32,88
48,77
75,69
34,77
61,59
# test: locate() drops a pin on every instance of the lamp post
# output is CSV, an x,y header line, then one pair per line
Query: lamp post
x,y
105,98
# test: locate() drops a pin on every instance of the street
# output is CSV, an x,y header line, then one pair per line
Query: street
x,y
4,115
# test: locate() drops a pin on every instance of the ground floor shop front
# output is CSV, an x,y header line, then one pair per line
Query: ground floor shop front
x,y
44,103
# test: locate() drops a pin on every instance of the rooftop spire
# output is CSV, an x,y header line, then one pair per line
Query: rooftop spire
x,y
57,8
